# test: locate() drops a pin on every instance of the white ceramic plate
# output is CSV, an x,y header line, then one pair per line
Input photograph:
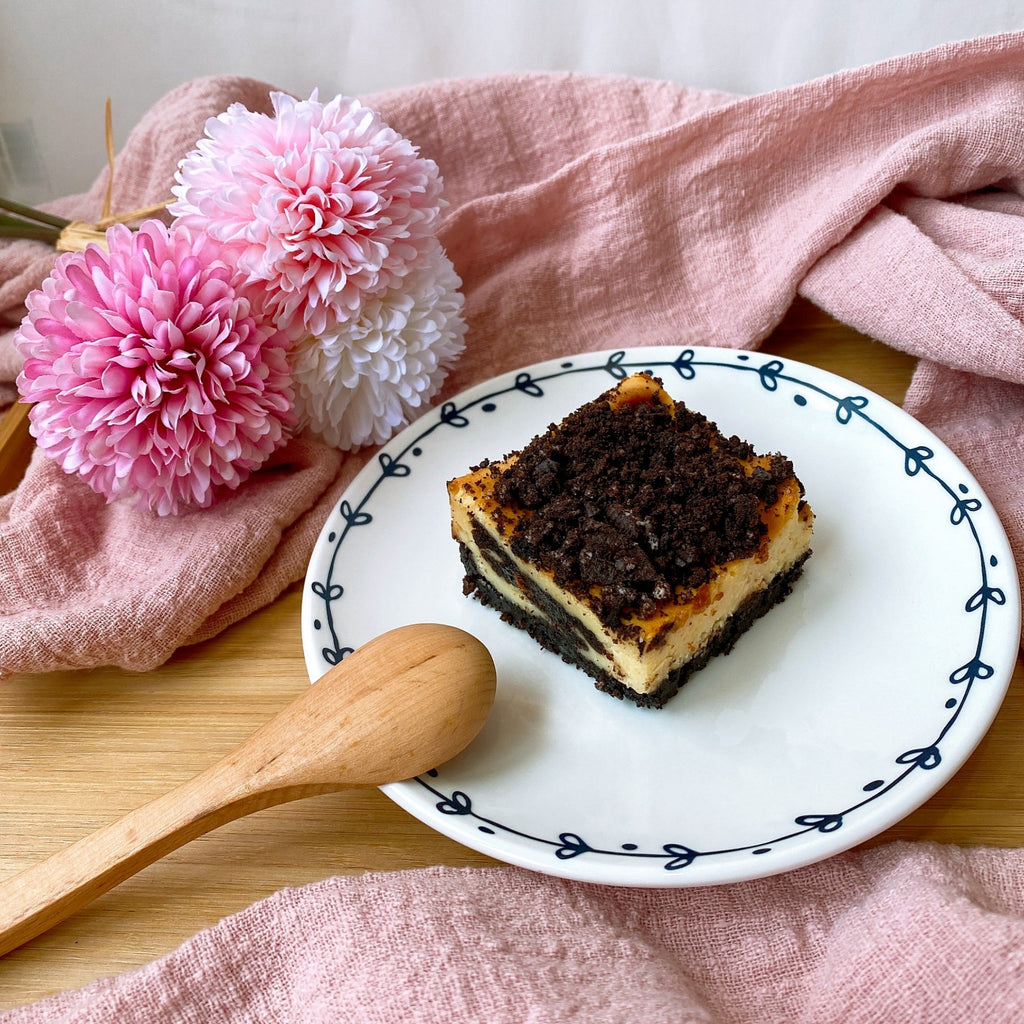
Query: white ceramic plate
x,y
835,716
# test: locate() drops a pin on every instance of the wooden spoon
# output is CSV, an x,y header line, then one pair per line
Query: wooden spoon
x,y
398,706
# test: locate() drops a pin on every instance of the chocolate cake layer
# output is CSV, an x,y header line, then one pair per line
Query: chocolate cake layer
x,y
558,632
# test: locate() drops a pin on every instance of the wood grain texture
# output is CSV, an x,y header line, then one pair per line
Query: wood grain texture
x,y
16,445
78,749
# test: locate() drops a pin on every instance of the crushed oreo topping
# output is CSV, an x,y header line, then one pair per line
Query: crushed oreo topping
x,y
637,502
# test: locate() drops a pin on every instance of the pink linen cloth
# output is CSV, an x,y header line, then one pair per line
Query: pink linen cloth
x,y
900,934
590,213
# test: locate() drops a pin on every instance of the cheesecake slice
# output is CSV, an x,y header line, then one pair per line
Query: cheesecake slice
x,y
634,539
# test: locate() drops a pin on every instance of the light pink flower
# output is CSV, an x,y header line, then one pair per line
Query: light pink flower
x,y
148,373
318,206
362,379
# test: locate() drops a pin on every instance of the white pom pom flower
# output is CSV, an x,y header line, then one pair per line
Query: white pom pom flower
x,y
362,379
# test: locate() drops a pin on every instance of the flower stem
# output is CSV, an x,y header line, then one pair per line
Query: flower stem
x,y
30,213
9,229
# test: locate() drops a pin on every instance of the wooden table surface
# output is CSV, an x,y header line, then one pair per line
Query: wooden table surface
x,y
78,749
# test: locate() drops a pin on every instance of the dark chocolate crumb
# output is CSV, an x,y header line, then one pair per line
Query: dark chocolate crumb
x,y
636,502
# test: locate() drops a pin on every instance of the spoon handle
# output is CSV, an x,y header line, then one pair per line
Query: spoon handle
x,y
47,893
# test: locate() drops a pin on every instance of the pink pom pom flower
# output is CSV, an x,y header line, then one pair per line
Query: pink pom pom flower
x,y
318,206
148,372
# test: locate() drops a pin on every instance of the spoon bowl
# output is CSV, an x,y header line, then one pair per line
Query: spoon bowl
x,y
401,704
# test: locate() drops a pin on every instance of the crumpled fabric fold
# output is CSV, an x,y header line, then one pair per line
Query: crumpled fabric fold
x,y
630,212
915,933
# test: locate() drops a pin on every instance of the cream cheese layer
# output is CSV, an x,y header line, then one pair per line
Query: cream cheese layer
x,y
645,651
